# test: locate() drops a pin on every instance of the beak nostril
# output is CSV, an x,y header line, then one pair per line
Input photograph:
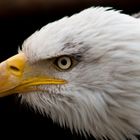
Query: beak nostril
x,y
14,68
16,64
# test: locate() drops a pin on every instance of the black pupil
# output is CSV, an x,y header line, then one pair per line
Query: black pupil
x,y
64,62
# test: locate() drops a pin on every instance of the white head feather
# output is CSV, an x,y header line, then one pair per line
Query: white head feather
x,y
102,96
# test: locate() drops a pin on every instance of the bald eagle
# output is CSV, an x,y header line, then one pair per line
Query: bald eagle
x,y
83,71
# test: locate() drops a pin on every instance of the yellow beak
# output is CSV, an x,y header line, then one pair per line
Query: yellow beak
x,y
16,75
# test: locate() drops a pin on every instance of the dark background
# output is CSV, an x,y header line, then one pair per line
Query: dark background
x,y
18,20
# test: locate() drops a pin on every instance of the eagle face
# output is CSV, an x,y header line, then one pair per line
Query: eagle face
x,y
83,71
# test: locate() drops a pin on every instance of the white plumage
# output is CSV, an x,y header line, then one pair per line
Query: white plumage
x,y
102,93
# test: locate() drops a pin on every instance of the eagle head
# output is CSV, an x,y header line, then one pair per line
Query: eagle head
x,y
83,71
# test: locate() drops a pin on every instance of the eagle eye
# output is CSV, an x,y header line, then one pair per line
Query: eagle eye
x,y
63,62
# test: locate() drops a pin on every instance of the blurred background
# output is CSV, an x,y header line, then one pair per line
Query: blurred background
x,y
18,20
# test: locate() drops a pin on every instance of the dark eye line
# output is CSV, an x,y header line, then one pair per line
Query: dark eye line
x,y
76,56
